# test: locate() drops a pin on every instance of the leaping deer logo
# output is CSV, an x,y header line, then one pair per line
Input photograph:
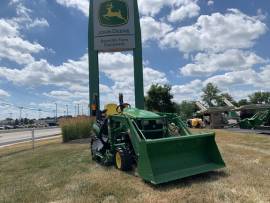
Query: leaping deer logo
x,y
110,13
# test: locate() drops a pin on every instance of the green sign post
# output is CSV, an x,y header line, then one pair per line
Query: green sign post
x,y
114,25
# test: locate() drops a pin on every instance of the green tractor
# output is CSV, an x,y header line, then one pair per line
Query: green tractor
x,y
158,144
260,120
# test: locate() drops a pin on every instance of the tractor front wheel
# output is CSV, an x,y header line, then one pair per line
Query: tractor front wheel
x,y
122,160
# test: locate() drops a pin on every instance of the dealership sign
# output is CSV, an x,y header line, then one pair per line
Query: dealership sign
x,y
113,25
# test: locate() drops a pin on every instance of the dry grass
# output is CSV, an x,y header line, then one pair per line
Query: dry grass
x,y
76,128
58,172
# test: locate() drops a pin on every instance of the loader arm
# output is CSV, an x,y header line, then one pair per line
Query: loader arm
x,y
168,157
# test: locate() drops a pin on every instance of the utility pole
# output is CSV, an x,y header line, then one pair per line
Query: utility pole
x,y
67,110
10,116
78,109
56,111
82,109
21,108
39,114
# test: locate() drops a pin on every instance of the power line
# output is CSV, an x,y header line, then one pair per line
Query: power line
x,y
23,108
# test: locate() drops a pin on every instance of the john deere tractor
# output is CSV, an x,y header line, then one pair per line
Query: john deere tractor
x,y
158,144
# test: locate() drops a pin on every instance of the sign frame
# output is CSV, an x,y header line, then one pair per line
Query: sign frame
x,y
137,58
113,25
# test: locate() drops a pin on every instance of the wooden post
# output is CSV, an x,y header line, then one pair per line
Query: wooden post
x,y
33,139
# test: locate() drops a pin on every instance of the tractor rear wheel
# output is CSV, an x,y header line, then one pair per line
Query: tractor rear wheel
x,y
122,160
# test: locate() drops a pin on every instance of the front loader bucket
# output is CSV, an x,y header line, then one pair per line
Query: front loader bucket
x,y
167,159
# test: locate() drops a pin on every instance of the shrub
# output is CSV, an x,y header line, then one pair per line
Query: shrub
x,y
76,128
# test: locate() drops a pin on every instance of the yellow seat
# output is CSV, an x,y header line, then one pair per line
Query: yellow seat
x,y
111,109
196,122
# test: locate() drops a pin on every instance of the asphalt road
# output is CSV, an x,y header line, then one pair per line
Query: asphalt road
x,y
12,137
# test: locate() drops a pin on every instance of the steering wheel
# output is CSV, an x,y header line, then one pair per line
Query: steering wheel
x,y
124,105
173,129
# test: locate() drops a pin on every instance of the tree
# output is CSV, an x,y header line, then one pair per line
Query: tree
x,y
16,122
186,109
211,95
228,97
31,121
159,98
260,98
25,121
243,102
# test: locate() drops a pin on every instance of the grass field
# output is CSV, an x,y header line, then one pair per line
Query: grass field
x,y
56,172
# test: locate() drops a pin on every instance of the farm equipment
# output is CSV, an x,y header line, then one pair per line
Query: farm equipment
x,y
260,119
195,123
158,144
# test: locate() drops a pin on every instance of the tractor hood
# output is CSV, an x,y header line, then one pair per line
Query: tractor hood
x,y
140,114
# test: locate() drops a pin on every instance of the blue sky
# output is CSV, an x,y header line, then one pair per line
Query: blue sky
x,y
186,43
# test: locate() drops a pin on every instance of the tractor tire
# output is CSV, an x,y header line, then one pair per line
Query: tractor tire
x,y
122,160
96,146
91,150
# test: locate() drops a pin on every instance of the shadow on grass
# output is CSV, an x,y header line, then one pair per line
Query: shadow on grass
x,y
26,149
189,181
79,141
15,152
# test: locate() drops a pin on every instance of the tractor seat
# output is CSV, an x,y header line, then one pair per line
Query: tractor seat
x,y
111,109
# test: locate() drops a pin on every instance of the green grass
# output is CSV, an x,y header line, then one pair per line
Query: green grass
x,y
57,172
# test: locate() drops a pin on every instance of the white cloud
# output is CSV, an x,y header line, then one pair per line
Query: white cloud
x,y
47,105
119,68
23,19
188,10
78,88
188,91
18,50
7,29
38,23
218,37
146,7
21,10
43,73
152,29
59,94
82,5
13,46
104,88
239,84
4,93
83,102
260,79
232,59
153,7
73,75
210,2
217,32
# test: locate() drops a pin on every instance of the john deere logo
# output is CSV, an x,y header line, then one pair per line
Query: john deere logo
x,y
113,13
